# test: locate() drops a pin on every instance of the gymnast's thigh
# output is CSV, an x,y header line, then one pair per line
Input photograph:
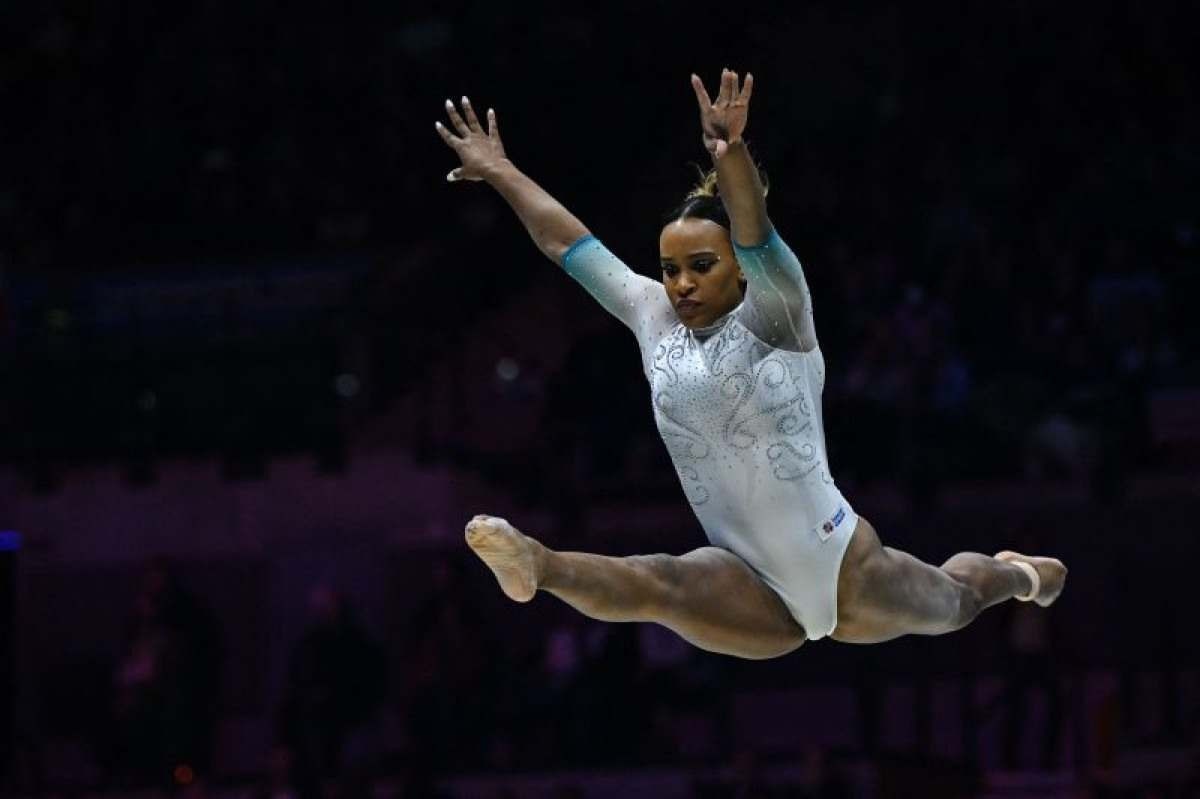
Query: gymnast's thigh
x,y
722,605
884,593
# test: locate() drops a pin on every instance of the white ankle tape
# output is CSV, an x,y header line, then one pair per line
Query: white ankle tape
x,y
1034,580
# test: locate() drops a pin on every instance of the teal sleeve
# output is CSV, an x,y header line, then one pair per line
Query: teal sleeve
x,y
635,299
777,296
582,241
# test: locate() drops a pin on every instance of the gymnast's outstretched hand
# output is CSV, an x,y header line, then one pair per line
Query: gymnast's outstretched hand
x,y
480,151
724,120
551,226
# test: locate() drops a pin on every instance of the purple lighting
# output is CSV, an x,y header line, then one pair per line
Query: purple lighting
x,y
10,541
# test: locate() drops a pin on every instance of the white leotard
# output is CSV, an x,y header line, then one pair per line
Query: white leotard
x,y
738,406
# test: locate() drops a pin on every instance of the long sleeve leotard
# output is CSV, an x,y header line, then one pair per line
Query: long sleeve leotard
x,y
738,406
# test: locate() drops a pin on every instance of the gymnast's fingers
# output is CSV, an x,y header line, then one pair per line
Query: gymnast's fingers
x,y
701,93
455,175
494,127
472,120
447,136
727,86
747,88
459,124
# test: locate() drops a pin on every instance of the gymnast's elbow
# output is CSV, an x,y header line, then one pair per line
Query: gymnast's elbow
x,y
556,245
555,248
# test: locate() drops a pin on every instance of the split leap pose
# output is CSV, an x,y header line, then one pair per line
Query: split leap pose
x,y
730,352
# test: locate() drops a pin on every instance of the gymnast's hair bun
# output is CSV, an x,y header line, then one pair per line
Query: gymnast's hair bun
x,y
707,187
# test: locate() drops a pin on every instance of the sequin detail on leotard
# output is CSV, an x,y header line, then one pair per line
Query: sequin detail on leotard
x,y
738,407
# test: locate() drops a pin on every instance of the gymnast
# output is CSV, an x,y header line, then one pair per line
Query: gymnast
x,y
730,352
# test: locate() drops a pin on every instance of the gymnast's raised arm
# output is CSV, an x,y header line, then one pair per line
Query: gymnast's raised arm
x,y
551,226
630,297
775,284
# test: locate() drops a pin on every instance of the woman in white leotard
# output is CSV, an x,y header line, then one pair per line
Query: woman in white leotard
x,y
730,352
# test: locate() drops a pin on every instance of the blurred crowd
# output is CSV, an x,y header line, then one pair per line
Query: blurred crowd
x,y
464,683
1001,241
995,209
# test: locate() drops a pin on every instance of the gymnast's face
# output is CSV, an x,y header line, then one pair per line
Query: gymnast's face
x,y
700,273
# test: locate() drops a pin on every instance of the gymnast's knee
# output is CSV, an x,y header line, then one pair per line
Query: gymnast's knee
x,y
970,605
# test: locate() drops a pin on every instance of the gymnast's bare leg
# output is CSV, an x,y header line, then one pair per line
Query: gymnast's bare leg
x,y
884,593
715,601
709,596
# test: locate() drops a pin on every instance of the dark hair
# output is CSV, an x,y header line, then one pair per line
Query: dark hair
x,y
704,201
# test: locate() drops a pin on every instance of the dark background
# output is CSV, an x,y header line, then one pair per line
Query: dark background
x,y
259,363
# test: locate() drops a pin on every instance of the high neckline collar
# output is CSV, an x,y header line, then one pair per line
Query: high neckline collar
x,y
715,327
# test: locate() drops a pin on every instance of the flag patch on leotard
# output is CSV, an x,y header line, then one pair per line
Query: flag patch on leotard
x,y
832,523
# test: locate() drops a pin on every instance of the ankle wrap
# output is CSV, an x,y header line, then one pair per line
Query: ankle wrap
x,y
1034,580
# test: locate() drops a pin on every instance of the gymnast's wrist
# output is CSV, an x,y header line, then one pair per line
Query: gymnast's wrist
x,y
731,145
498,171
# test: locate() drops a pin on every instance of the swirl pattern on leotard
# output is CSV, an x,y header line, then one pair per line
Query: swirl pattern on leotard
x,y
729,340
665,358
693,489
682,440
806,453
770,374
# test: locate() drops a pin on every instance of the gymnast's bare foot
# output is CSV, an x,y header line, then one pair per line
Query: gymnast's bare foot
x,y
510,555
1052,572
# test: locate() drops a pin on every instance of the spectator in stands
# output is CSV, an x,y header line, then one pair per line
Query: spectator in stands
x,y
335,684
165,684
445,666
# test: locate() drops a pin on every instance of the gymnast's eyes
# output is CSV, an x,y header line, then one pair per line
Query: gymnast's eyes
x,y
702,266
670,270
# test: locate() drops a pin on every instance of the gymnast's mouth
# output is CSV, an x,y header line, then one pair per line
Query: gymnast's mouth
x,y
687,305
